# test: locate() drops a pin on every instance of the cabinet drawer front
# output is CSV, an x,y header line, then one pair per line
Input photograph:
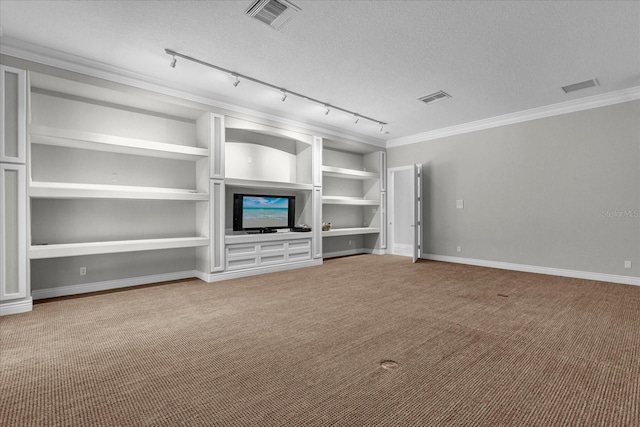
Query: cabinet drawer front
x,y
241,249
300,245
271,247
237,264
300,256
272,259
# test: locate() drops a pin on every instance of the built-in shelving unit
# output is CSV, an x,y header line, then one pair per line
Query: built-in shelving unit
x,y
352,199
266,160
114,170
113,183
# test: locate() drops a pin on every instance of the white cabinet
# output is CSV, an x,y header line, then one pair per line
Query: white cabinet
x,y
13,232
14,286
13,115
265,251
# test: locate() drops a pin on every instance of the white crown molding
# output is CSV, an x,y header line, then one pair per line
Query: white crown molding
x,y
587,103
601,277
54,58
109,284
16,307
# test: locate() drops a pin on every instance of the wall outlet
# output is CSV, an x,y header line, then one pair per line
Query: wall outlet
x,y
350,242
249,160
459,248
627,264
83,271
459,204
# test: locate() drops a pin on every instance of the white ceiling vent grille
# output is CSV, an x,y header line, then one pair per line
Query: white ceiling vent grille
x,y
274,13
582,85
435,97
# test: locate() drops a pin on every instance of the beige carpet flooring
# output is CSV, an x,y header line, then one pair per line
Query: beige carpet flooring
x,y
473,346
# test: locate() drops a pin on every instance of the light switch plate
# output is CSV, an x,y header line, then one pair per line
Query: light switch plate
x,y
459,204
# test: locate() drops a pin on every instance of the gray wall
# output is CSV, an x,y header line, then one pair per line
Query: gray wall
x,y
560,192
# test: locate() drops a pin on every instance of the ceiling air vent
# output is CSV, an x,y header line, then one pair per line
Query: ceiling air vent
x,y
434,97
582,85
274,13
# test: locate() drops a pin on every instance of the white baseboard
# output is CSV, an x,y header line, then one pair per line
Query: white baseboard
x,y
226,275
15,307
110,284
627,280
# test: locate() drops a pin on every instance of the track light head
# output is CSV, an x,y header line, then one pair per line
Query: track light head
x,y
237,82
326,113
381,127
284,96
173,62
357,118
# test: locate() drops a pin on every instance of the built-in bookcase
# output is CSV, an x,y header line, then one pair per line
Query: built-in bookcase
x,y
353,199
112,172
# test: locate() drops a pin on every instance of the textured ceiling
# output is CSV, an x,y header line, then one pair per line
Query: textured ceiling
x,y
372,57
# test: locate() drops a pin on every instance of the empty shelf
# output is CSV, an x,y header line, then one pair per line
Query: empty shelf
x,y
93,248
114,144
61,190
350,231
348,173
344,200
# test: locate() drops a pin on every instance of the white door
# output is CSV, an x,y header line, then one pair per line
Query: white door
x,y
417,211
404,188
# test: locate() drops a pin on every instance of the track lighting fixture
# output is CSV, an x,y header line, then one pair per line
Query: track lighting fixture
x,y
285,93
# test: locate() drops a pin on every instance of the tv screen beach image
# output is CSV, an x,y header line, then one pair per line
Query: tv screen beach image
x,y
265,212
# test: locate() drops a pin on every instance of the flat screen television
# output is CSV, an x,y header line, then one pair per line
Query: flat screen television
x,y
253,212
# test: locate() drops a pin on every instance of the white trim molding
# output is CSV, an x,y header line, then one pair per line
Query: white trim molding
x,y
226,275
110,284
16,307
602,100
601,277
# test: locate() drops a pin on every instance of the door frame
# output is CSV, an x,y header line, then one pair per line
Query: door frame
x,y
391,207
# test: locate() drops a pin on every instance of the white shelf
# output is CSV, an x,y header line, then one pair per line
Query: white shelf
x,y
348,173
60,190
344,200
248,183
93,248
114,144
350,231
